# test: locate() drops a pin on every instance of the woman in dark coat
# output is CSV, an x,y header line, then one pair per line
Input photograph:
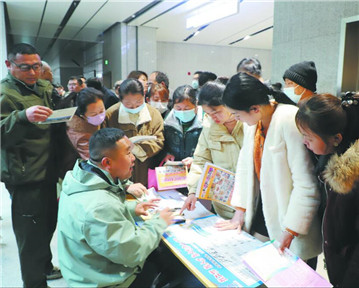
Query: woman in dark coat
x,y
330,129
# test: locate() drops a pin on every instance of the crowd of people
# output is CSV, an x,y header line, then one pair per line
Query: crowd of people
x,y
295,153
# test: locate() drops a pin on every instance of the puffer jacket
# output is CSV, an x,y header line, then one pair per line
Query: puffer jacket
x,y
177,143
341,218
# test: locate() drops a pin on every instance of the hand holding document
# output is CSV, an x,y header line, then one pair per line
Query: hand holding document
x,y
59,116
282,270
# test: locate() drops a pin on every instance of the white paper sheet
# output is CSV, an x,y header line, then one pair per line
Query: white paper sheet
x,y
59,116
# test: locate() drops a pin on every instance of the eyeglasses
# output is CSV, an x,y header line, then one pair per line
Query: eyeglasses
x,y
27,67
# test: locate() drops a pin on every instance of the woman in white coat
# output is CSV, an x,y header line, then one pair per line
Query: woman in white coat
x,y
275,194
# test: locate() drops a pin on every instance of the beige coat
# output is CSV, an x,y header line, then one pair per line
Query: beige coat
x,y
149,122
217,146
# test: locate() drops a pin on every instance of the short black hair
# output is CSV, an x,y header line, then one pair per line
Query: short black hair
x,y
130,86
206,76
184,92
94,82
21,48
102,140
162,77
251,66
85,97
211,94
78,78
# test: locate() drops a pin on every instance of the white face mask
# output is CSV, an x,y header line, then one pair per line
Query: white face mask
x,y
160,106
289,91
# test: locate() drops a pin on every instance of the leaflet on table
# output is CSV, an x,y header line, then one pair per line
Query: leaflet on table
x,y
216,184
216,254
174,200
142,138
286,270
59,116
171,177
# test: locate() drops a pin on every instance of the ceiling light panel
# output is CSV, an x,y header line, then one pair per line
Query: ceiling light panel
x,y
213,11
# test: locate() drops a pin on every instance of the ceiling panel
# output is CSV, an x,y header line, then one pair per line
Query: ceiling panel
x,y
116,11
81,15
253,16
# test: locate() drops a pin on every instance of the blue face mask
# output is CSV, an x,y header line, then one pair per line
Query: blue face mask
x,y
195,84
185,115
135,110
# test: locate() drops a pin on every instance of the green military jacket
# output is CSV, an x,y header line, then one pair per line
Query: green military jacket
x,y
25,146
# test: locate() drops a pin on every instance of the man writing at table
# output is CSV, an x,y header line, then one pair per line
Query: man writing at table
x,y
99,242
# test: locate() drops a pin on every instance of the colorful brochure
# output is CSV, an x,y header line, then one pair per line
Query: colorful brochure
x,y
216,184
171,177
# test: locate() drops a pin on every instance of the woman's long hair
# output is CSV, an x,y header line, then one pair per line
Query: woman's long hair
x,y
243,91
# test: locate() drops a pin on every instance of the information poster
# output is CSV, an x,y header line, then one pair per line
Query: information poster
x,y
216,254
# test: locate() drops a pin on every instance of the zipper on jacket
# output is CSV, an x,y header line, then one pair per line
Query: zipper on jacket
x,y
21,159
324,213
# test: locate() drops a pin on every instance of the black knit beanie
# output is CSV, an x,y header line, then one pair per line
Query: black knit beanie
x,y
304,74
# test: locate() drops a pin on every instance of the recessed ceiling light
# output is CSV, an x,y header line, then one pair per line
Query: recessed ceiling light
x,y
214,11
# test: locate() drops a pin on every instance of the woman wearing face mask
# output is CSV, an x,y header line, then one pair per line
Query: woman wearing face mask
x,y
159,96
330,129
89,116
87,120
219,143
182,126
135,117
275,193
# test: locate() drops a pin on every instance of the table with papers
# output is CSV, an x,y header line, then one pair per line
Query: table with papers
x,y
221,258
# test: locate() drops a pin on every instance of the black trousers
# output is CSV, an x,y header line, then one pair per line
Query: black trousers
x,y
34,217
163,269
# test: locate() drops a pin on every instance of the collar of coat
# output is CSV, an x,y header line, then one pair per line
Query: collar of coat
x,y
342,171
143,117
172,121
219,132
39,83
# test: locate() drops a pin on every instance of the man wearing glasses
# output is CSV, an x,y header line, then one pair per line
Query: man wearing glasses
x,y
27,165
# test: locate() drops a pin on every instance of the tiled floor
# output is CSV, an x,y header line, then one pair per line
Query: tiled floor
x,y
9,262
10,275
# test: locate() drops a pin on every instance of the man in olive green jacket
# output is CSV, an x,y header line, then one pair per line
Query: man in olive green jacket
x,y
26,162
99,242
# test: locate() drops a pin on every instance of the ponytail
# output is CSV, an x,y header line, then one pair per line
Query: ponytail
x,y
279,96
243,91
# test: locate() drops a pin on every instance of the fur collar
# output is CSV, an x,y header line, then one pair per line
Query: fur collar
x,y
342,172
